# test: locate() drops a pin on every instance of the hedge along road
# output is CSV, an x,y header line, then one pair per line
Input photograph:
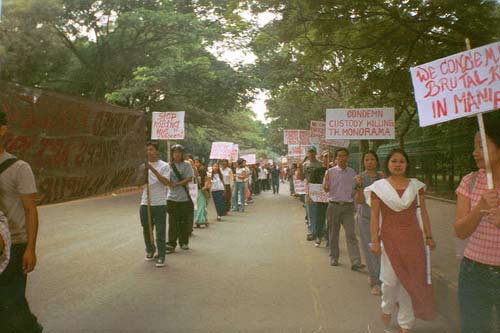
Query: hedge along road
x,y
252,272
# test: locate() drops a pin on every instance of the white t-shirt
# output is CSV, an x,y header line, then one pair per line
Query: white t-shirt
x,y
158,191
239,172
217,184
262,173
17,180
226,174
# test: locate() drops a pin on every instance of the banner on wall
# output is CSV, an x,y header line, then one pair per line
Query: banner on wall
x,y
77,148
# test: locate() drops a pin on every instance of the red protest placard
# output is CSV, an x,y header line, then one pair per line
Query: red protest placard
x,y
297,137
318,135
459,85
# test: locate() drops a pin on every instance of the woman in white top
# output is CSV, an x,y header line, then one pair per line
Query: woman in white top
x,y
218,190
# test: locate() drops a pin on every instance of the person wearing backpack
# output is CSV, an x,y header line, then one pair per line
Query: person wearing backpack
x,y
18,202
478,220
180,207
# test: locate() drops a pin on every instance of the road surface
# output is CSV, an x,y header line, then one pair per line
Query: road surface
x,y
252,272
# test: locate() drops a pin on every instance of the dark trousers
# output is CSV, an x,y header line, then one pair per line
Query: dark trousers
x,y
227,198
158,223
15,314
276,185
343,215
478,294
218,197
180,222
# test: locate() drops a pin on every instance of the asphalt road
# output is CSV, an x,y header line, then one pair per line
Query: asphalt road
x,y
252,272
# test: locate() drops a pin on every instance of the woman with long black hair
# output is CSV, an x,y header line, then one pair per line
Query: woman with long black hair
x,y
218,190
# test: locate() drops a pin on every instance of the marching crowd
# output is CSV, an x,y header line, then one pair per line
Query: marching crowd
x,y
389,209
170,190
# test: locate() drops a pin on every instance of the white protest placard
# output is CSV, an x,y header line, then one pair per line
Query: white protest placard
x,y
221,150
459,85
291,137
297,137
296,151
193,193
234,153
299,186
318,135
168,126
305,137
317,194
250,158
360,124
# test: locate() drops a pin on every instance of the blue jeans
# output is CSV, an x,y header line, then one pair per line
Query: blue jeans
x,y
159,223
308,216
239,192
372,261
478,294
317,218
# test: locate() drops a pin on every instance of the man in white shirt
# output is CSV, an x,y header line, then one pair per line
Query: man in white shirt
x,y
157,201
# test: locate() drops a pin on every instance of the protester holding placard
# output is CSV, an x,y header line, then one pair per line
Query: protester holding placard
x,y
365,179
239,186
227,174
309,170
179,205
478,219
339,182
156,198
401,241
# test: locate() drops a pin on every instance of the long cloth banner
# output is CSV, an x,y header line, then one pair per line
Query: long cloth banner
x,y
458,86
76,148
